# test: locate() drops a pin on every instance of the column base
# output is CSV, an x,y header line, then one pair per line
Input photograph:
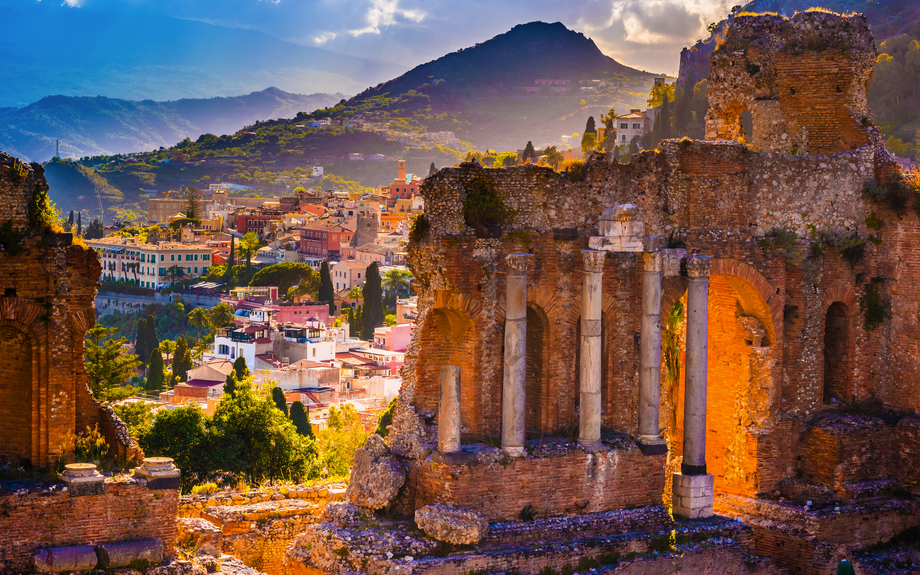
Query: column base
x,y
651,445
692,495
453,457
591,445
514,451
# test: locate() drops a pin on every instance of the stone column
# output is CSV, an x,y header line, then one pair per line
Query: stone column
x,y
589,424
449,410
693,488
82,479
650,355
515,369
159,472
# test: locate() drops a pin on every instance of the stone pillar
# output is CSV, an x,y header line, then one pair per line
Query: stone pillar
x,y
589,424
449,410
515,369
693,488
82,479
159,472
650,354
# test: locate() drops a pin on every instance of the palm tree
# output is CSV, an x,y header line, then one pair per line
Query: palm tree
x,y
168,347
175,272
249,245
356,293
395,279
198,318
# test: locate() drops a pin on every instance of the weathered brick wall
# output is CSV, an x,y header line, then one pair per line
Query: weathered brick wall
x,y
804,80
840,450
49,517
552,480
46,307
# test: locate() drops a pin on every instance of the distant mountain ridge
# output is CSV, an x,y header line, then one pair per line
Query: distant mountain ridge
x,y
89,126
50,49
519,56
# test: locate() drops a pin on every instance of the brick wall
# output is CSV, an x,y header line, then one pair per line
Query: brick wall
x,y
34,518
560,480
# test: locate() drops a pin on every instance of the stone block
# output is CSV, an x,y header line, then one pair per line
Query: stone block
x,y
121,554
693,495
57,559
376,476
451,524
82,479
159,472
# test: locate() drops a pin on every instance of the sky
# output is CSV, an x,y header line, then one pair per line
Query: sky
x,y
644,34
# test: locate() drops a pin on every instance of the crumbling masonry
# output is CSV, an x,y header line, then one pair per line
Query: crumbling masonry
x,y
774,337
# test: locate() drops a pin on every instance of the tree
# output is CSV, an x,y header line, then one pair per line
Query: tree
x,y
553,157
529,153
191,203
70,221
220,316
141,346
658,94
240,370
590,126
180,434
94,230
152,340
386,418
198,318
285,275
357,326
343,435
373,302
432,170
588,142
167,347
665,124
230,258
249,245
356,293
182,360
326,291
300,417
156,372
107,366
395,280
608,119
279,399
80,224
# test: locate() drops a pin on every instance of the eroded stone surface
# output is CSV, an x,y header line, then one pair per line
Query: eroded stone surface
x,y
452,524
376,476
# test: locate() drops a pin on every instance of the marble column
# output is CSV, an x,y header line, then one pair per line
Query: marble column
x,y
650,356
449,410
589,424
515,368
693,487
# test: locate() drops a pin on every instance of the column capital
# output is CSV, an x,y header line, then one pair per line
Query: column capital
x,y
651,243
518,263
671,258
652,262
594,260
698,266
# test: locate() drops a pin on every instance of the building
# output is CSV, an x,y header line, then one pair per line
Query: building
x,y
300,312
348,274
323,239
150,265
246,342
259,222
552,82
635,124
394,337
161,209
405,185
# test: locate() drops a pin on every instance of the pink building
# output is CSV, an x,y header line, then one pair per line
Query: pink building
x,y
301,312
393,338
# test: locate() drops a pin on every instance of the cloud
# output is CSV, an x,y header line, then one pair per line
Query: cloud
x,y
324,37
72,3
384,13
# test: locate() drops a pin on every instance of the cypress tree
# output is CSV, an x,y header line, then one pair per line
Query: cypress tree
x,y
156,372
279,399
590,127
153,340
141,346
529,152
665,115
231,259
70,220
301,419
230,385
182,360
79,224
358,325
326,290
239,368
373,302
432,170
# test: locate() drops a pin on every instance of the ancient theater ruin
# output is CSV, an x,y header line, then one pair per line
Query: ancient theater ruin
x,y
703,328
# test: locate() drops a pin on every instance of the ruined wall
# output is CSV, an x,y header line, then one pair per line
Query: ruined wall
x,y
31,518
47,285
803,79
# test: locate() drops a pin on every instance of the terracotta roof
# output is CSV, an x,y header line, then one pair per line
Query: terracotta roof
x,y
355,264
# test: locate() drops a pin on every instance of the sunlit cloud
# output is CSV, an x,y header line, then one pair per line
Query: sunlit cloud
x,y
324,37
384,13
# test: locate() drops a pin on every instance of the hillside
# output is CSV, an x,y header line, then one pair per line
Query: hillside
x,y
47,49
106,126
477,95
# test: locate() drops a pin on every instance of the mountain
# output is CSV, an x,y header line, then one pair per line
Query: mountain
x,y
519,56
50,49
98,126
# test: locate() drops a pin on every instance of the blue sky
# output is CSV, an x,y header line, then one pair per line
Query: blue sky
x,y
646,34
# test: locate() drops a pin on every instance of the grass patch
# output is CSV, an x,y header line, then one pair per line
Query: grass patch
x,y
782,241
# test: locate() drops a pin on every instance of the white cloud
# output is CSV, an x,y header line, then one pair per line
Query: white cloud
x,y
384,13
72,3
324,37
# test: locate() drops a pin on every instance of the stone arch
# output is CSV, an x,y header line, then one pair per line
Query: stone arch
x,y
742,346
19,390
449,338
837,352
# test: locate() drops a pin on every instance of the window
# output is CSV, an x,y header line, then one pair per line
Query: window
x,y
624,126
223,349
204,271
314,352
359,275
637,126
196,269
196,257
162,271
206,257
623,138
162,257
172,257
189,270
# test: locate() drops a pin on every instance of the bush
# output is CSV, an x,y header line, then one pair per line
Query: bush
x,y
482,208
385,419
209,487
337,442
875,308
894,195
90,446
783,241
575,170
419,229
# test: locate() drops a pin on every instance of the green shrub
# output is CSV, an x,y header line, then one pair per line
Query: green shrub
x,y
894,195
386,418
873,222
418,229
482,208
783,241
209,487
874,307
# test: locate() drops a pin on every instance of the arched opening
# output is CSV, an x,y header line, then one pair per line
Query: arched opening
x,y
747,126
836,344
537,383
740,347
16,395
449,340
